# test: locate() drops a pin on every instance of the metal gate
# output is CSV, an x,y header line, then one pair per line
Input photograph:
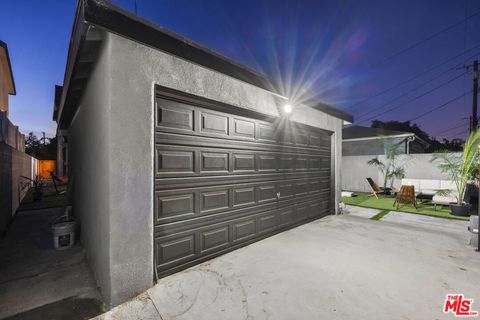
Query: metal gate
x,y
223,180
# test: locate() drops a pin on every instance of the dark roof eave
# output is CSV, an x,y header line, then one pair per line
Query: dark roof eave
x,y
56,101
78,36
4,46
113,18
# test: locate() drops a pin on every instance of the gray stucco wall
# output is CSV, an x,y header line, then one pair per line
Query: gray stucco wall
x,y
113,139
90,170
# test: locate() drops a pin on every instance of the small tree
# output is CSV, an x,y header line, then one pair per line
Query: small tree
x,y
40,148
463,167
389,168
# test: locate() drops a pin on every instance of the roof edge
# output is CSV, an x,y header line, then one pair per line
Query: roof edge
x,y
5,47
113,18
383,137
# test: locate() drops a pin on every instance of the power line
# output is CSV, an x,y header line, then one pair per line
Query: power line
x,y
457,134
407,93
418,75
416,44
414,98
441,106
452,128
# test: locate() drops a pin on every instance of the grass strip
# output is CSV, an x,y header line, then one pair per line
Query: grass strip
x,y
380,215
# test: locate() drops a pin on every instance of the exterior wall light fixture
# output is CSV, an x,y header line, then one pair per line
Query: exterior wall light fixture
x,y
287,108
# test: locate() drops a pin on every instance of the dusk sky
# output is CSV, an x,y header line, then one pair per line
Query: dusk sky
x,y
343,52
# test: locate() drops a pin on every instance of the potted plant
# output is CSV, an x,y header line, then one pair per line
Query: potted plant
x,y
37,188
462,168
389,168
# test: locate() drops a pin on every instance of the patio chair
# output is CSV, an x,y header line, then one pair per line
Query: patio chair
x,y
375,188
58,181
406,195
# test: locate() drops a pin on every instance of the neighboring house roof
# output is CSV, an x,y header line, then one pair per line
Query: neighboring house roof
x,y
5,61
108,16
359,132
356,133
352,133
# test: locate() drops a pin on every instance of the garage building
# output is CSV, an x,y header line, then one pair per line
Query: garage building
x,y
177,154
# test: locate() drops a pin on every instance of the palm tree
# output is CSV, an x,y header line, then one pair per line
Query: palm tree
x,y
463,167
389,168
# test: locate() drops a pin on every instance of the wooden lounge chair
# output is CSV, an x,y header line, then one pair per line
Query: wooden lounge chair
x,y
58,181
406,195
375,188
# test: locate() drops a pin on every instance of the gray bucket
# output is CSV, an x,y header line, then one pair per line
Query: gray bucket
x,y
63,235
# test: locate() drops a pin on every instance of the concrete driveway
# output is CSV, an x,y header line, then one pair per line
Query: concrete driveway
x,y
342,267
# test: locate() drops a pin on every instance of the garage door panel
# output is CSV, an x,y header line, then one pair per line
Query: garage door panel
x,y
165,225
175,249
176,117
224,180
267,222
266,193
169,183
187,203
243,129
213,124
286,217
180,206
302,138
174,162
286,189
216,142
243,162
244,229
191,245
215,180
243,197
186,161
214,161
214,201
214,239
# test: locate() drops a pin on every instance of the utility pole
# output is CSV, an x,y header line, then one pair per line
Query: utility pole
x,y
475,97
43,133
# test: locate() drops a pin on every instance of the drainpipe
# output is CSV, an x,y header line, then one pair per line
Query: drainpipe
x,y
409,139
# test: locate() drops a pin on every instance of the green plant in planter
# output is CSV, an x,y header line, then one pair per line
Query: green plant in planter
x,y
38,188
462,168
389,168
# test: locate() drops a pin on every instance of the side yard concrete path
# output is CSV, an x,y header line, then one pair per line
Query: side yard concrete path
x,y
361,212
38,282
343,267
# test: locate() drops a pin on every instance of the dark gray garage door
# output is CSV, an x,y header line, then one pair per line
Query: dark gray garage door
x,y
224,180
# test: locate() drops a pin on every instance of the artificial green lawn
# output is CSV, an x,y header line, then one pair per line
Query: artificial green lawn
x,y
50,199
386,203
380,215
